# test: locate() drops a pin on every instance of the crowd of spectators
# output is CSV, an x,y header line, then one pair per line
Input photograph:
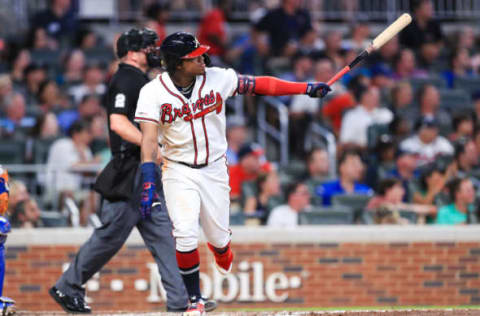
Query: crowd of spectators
x,y
406,122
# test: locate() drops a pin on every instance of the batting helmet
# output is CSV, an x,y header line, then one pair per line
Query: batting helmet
x,y
135,40
182,45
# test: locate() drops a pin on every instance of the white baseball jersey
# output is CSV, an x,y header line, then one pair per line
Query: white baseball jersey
x,y
191,130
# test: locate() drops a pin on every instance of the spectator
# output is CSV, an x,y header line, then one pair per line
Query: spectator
x,y
356,122
88,108
248,169
34,75
48,96
26,214
350,169
6,88
428,56
213,31
405,66
157,14
18,193
359,37
333,48
423,27
461,210
39,40
388,201
426,143
428,98
59,20
265,199
405,171
236,137
285,25
93,83
460,66
466,160
318,171
16,123
402,101
302,65
46,126
73,72
86,39
432,184
386,55
286,216
64,156
19,63
463,127
381,161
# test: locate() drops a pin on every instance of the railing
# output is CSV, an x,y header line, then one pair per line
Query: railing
x,y
279,134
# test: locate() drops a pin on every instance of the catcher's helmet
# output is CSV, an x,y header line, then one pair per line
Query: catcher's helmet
x,y
135,40
182,45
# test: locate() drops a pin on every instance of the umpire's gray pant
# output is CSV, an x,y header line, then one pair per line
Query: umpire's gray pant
x,y
118,220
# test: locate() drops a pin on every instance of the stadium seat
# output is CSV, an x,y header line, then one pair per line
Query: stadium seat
x,y
452,100
102,55
355,202
470,85
12,151
374,131
41,148
337,215
438,82
53,219
46,57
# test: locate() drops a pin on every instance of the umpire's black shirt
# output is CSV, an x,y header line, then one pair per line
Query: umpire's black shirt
x,y
122,97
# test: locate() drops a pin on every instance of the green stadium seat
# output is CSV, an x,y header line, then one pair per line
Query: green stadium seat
x,y
374,131
470,85
452,100
327,216
12,151
237,219
438,82
41,148
357,203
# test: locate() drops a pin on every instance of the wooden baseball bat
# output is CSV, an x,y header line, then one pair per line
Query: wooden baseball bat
x,y
393,29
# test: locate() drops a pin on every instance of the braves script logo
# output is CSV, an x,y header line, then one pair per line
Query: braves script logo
x,y
209,103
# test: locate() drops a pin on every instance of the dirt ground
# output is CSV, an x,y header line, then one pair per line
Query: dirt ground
x,y
409,312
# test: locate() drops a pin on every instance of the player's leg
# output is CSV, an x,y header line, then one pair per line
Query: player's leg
x,y
157,234
183,204
118,220
215,214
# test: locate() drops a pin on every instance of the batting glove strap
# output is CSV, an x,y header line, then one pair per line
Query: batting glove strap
x,y
148,172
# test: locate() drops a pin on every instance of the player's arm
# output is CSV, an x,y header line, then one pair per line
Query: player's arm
x,y
265,85
149,141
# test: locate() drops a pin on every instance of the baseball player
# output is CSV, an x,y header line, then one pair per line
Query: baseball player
x,y
186,106
7,305
120,188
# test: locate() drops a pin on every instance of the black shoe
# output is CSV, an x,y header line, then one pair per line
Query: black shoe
x,y
71,304
210,305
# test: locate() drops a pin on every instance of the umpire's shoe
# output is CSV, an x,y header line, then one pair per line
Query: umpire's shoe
x,y
71,304
210,305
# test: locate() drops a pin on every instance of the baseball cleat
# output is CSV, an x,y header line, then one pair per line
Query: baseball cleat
x,y
70,304
7,306
196,309
223,261
210,305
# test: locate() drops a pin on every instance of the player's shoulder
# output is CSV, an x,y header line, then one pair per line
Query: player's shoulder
x,y
152,85
219,71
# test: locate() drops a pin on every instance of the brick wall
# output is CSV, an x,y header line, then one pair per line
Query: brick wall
x,y
295,273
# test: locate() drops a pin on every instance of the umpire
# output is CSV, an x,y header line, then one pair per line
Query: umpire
x,y
120,187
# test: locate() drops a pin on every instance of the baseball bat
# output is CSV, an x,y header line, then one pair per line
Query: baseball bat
x,y
393,29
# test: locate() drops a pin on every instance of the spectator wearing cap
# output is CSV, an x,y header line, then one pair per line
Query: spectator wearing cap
x,y
350,170
382,77
251,164
427,144
423,27
298,200
356,121
461,209
285,26
236,137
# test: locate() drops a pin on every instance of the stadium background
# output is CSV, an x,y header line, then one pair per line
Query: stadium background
x,y
54,71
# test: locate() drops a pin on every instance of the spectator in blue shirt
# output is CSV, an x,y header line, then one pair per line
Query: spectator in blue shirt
x,y
350,169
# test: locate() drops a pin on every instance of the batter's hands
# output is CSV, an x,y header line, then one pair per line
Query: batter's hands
x,y
149,193
318,89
